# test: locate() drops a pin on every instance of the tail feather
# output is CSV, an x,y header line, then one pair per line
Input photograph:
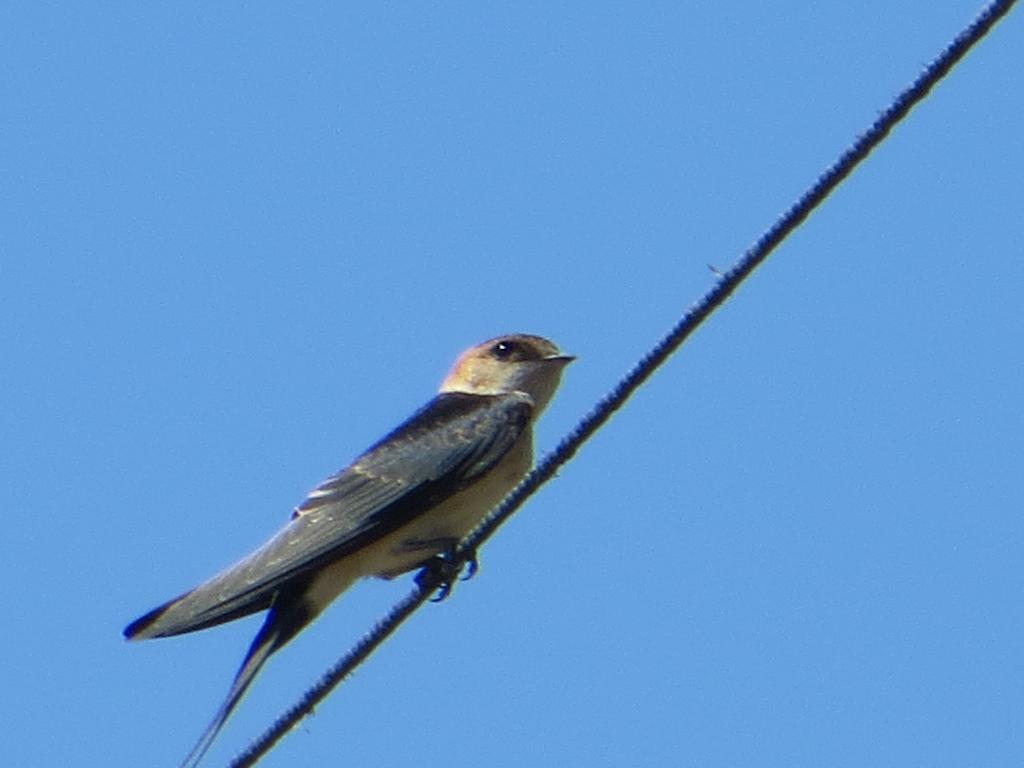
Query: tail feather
x,y
288,614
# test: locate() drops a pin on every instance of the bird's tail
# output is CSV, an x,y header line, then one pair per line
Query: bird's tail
x,y
288,614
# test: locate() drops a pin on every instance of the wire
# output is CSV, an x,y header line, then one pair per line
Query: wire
x,y
430,581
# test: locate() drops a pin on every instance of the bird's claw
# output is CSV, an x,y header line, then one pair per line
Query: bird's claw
x,y
443,570
472,566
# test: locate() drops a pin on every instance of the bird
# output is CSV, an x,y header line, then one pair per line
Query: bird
x,y
403,504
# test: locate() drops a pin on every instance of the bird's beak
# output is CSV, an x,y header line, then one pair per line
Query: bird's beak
x,y
563,359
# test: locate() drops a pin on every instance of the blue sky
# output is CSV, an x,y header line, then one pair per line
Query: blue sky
x,y
239,243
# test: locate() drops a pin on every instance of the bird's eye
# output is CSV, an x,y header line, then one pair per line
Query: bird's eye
x,y
503,350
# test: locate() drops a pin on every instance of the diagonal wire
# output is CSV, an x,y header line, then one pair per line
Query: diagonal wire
x,y
430,581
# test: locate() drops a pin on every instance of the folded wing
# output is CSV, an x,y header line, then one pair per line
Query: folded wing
x,y
453,440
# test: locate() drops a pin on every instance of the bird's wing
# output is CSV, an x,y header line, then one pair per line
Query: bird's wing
x,y
453,440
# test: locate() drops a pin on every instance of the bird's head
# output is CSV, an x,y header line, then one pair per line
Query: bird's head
x,y
513,363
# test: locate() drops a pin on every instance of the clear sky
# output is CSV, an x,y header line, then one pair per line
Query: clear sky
x,y
238,243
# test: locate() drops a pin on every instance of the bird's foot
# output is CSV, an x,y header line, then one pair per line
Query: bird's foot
x,y
443,570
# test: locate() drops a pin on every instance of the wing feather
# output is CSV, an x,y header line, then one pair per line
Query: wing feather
x,y
453,440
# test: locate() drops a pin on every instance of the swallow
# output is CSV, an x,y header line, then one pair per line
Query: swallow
x,y
403,504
